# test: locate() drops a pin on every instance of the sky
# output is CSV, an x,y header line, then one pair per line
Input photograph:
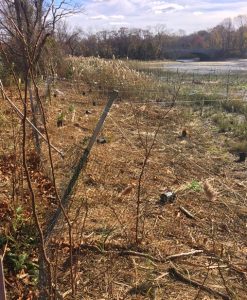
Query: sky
x,y
173,15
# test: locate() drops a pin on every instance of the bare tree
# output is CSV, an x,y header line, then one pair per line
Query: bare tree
x,y
69,39
241,23
25,26
227,34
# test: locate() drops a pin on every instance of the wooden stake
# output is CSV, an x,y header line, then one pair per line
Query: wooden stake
x,y
81,164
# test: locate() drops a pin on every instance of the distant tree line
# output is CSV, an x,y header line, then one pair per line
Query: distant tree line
x,y
229,38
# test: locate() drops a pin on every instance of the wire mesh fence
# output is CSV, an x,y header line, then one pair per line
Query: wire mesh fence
x,y
103,207
120,236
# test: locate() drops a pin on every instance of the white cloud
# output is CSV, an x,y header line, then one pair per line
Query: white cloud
x,y
99,17
99,1
197,13
119,23
118,17
190,15
165,7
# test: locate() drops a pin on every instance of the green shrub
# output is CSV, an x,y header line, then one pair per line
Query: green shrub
x,y
224,123
194,186
240,130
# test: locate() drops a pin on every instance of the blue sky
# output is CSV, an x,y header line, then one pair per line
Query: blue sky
x,y
188,15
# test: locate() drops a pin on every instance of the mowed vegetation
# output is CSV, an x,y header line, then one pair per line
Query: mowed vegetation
x,y
151,205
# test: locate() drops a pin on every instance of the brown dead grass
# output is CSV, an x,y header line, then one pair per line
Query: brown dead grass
x,y
104,204
219,228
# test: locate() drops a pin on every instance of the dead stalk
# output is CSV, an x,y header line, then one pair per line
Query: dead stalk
x,y
43,255
147,153
60,205
218,263
204,280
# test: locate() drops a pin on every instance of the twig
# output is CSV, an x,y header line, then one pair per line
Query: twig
x,y
187,212
147,153
152,258
53,175
223,280
139,254
231,266
133,253
194,252
162,275
44,262
174,273
204,280
241,272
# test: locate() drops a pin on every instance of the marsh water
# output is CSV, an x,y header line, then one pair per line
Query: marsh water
x,y
233,66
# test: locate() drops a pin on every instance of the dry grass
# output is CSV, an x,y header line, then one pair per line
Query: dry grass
x,y
107,191
103,74
104,204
